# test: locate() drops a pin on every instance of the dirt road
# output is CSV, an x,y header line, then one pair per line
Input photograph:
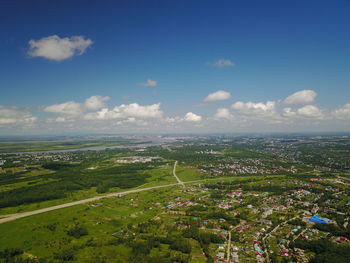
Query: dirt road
x,y
177,178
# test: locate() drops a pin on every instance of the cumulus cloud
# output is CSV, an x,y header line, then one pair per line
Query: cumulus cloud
x,y
218,95
221,63
223,113
71,108
126,111
255,108
342,112
172,119
192,117
58,120
95,102
132,121
149,83
300,97
310,111
92,114
58,49
288,112
14,115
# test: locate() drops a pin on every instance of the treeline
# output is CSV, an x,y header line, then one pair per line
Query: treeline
x,y
57,165
297,222
321,156
201,211
77,231
221,214
179,243
180,249
16,177
334,230
37,193
326,251
15,255
68,178
204,239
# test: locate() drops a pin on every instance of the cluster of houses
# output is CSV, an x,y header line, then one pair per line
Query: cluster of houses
x,y
40,157
179,202
245,166
259,228
209,152
137,159
221,255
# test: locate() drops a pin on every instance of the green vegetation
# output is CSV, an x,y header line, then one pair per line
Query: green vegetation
x,y
326,251
188,174
68,178
249,191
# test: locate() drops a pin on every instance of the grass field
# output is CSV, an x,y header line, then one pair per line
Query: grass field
x,y
46,234
188,174
158,176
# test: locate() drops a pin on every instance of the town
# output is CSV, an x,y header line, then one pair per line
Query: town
x,y
188,199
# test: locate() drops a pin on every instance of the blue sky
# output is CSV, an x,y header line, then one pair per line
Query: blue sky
x,y
276,48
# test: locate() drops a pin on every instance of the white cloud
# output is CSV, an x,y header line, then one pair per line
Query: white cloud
x,y
136,110
342,112
223,113
255,108
58,119
301,97
95,102
92,114
73,109
288,112
310,111
192,117
103,114
58,49
218,95
149,83
14,115
126,111
172,119
132,122
221,63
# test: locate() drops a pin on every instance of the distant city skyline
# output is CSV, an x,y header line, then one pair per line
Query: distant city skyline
x,y
174,66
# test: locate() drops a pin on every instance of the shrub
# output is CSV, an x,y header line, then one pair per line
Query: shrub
x,y
77,231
